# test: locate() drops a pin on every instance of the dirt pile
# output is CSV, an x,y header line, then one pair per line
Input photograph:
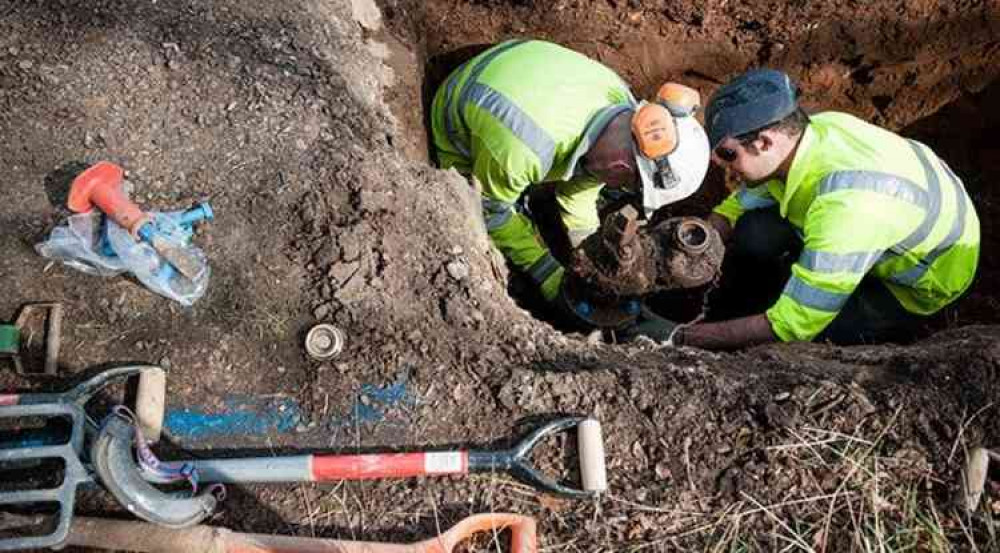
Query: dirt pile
x,y
300,122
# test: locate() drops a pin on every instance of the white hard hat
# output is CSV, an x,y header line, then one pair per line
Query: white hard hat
x,y
688,163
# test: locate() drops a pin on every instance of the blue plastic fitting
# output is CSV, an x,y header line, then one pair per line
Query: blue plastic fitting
x,y
201,212
632,307
584,309
146,232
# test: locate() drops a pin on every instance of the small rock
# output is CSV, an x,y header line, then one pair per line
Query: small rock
x,y
322,311
25,64
458,270
165,362
637,450
281,370
343,272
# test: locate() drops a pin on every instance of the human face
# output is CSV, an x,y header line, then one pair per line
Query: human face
x,y
616,174
754,160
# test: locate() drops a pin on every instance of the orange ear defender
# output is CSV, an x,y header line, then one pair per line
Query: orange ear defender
x,y
680,100
653,124
654,130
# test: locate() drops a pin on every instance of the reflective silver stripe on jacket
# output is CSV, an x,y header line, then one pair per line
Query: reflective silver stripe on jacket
x,y
896,187
902,189
459,138
496,213
829,262
517,121
887,184
811,296
543,268
914,274
749,199
933,206
874,181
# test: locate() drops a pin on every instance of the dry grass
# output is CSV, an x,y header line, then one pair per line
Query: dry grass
x,y
853,496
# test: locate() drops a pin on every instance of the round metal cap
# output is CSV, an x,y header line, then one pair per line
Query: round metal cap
x,y
324,341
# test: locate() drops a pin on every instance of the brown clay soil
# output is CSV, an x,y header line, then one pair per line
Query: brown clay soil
x,y
302,123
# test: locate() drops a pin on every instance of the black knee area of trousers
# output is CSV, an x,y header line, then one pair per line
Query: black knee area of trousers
x,y
758,262
763,235
871,315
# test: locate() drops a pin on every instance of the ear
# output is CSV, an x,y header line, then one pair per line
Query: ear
x,y
765,140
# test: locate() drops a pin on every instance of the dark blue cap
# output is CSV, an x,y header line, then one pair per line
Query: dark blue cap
x,y
749,102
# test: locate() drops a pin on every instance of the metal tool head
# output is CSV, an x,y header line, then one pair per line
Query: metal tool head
x,y
49,492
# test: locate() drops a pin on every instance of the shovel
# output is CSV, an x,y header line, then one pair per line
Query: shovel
x,y
131,481
48,430
148,538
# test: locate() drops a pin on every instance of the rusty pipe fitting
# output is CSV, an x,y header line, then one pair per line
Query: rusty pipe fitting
x,y
692,235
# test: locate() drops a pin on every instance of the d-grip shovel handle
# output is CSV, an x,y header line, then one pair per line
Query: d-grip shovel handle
x,y
515,460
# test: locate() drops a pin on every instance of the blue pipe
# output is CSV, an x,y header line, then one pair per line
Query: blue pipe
x,y
200,212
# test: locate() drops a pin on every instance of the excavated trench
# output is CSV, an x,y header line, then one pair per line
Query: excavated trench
x,y
328,211
878,65
922,68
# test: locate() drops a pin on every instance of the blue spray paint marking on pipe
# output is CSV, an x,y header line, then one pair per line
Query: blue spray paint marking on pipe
x,y
242,416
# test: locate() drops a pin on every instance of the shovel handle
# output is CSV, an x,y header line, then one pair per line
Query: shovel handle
x,y
327,468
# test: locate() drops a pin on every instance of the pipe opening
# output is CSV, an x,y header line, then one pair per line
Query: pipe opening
x,y
692,235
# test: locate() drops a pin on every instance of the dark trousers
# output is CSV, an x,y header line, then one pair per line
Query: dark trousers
x,y
758,263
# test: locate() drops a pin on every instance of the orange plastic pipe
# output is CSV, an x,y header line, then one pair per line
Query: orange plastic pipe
x,y
149,538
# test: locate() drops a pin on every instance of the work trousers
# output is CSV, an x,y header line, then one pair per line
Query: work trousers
x,y
758,263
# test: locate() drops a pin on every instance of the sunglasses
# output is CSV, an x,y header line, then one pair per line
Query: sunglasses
x,y
726,154
729,155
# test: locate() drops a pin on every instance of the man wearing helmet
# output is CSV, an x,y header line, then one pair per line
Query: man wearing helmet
x,y
868,231
526,112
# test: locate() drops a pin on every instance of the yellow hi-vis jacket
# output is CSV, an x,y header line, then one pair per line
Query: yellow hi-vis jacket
x,y
866,200
520,113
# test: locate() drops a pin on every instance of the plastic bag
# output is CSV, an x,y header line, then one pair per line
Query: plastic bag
x,y
91,243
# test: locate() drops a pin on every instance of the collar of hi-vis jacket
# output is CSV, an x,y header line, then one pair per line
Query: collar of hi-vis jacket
x,y
798,171
594,129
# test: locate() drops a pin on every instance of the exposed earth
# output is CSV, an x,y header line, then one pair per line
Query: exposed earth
x,y
301,122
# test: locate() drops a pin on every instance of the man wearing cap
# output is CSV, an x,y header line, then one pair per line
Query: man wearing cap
x,y
526,112
874,231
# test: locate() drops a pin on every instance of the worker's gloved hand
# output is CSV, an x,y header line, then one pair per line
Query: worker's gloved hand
x,y
654,327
